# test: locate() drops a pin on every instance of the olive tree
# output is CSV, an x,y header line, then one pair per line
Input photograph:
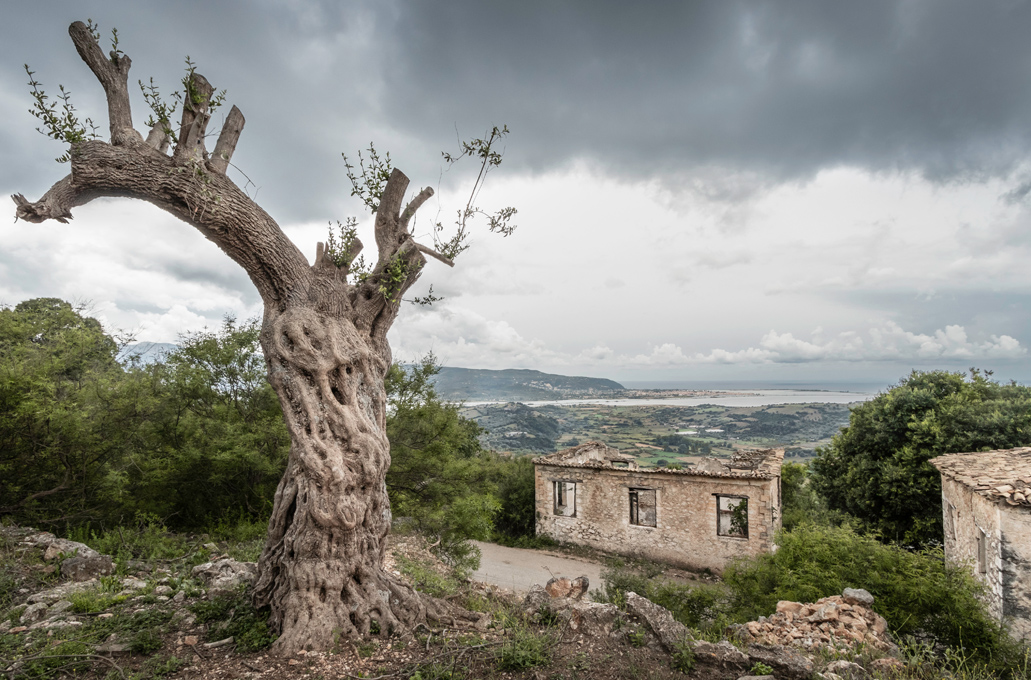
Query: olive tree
x,y
323,334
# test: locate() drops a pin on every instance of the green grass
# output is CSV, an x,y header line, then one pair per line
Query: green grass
x,y
426,579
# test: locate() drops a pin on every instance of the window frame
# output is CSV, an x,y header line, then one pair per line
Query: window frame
x,y
720,513
634,498
556,495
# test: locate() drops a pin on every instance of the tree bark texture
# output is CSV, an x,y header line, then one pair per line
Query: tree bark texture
x,y
325,345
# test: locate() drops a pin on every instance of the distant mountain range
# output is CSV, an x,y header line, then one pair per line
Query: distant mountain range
x,y
516,384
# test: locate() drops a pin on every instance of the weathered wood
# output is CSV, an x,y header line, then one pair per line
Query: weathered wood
x,y
158,138
195,120
227,140
113,75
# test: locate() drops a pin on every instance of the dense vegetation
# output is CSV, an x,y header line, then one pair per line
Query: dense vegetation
x,y
92,440
86,439
876,469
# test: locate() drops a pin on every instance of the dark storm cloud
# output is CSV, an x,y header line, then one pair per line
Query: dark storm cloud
x,y
781,88
774,91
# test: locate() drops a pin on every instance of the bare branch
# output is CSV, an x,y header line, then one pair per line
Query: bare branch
x,y
416,203
433,253
56,204
113,75
195,119
227,140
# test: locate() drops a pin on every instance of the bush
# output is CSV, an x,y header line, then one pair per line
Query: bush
x,y
914,591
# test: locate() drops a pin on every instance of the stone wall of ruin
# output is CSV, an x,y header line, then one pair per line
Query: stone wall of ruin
x,y
1016,568
685,532
969,514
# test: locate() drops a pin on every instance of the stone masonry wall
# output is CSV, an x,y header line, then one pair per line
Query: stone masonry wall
x,y
1016,569
972,513
686,514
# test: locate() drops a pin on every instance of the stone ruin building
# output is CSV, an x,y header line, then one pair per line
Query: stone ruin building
x,y
986,507
698,517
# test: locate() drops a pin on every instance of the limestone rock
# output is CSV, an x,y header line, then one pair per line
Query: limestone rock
x,y
593,619
58,608
722,656
85,568
33,613
846,669
670,632
786,662
54,547
536,598
563,587
886,665
225,574
857,596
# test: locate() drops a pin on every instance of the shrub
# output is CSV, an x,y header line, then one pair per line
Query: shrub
x,y
525,649
914,591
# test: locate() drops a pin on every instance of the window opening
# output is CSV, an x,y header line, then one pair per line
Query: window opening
x,y
732,516
953,520
565,499
642,507
982,551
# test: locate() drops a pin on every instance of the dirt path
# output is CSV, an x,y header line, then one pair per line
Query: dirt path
x,y
519,568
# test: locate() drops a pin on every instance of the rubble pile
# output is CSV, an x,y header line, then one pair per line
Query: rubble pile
x,y
839,621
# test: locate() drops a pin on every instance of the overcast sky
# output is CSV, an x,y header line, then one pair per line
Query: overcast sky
x,y
712,191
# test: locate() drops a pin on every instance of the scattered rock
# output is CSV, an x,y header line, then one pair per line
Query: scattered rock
x,y
211,547
5,626
180,596
830,622
190,640
786,662
163,590
574,589
18,629
857,596
225,575
722,656
756,677
670,632
58,608
886,665
81,568
105,615
33,613
846,669
113,648
535,599
593,619
62,591
132,583
53,547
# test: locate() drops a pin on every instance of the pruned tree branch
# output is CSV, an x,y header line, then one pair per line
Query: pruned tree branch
x,y
113,75
390,233
227,140
416,203
434,254
195,119
158,137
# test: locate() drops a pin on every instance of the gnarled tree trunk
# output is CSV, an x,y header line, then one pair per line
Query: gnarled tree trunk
x,y
325,345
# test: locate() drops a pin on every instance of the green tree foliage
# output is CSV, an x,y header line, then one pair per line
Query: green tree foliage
x,y
197,437
876,469
61,412
440,479
213,424
516,489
